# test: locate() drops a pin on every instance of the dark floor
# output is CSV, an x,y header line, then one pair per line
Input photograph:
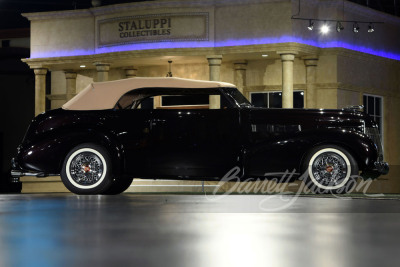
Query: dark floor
x,y
197,230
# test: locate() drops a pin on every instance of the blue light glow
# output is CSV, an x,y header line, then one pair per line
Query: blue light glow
x,y
225,43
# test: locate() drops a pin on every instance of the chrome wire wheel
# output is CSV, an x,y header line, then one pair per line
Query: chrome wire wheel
x,y
86,168
329,169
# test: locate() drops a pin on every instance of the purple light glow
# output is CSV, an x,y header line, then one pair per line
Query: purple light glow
x,y
226,43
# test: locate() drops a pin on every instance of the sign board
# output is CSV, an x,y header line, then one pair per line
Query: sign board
x,y
169,27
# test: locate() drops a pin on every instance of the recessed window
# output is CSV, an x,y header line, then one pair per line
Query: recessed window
x,y
373,106
274,99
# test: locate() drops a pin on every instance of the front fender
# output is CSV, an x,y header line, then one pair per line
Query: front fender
x,y
289,151
360,146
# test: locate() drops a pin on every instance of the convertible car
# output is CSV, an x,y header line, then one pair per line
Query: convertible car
x,y
175,128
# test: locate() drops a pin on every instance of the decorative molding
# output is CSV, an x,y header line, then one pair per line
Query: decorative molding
x,y
134,6
116,56
106,10
67,14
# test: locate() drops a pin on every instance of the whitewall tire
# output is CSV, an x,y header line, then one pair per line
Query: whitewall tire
x,y
87,170
330,169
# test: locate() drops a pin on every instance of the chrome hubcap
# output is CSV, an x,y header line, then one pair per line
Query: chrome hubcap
x,y
329,169
86,168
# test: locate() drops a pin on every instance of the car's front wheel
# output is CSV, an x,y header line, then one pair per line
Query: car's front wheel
x,y
87,170
330,169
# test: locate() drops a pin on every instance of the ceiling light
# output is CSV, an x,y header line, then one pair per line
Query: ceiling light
x,y
356,28
324,29
371,28
339,26
311,25
264,55
82,66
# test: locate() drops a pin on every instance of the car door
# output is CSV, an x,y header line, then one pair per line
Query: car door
x,y
134,135
191,143
276,143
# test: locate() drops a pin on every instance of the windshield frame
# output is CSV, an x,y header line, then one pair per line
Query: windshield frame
x,y
237,97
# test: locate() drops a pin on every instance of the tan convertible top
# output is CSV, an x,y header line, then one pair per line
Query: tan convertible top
x,y
104,95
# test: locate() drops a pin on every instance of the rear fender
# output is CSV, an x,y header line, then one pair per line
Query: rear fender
x,y
47,155
106,140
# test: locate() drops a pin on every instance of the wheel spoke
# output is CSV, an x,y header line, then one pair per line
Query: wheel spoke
x,y
86,168
329,169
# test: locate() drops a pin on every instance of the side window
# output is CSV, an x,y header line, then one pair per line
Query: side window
x,y
193,101
200,101
264,131
147,103
134,100
173,98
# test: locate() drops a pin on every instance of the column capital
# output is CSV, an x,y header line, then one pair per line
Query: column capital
x,y
287,52
310,60
40,71
130,72
214,60
214,57
69,74
130,68
287,57
101,66
240,65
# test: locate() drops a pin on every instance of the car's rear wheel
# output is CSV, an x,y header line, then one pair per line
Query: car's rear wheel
x,y
330,169
87,170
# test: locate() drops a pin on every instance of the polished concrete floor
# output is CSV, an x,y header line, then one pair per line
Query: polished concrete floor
x,y
197,230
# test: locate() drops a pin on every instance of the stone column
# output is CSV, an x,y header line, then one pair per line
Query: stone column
x,y
214,63
70,78
40,90
130,72
102,71
311,69
240,74
287,78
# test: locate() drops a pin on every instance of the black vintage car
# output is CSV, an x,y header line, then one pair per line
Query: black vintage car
x,y
114,131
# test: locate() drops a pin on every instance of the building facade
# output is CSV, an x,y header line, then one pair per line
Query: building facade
x,y
274,60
